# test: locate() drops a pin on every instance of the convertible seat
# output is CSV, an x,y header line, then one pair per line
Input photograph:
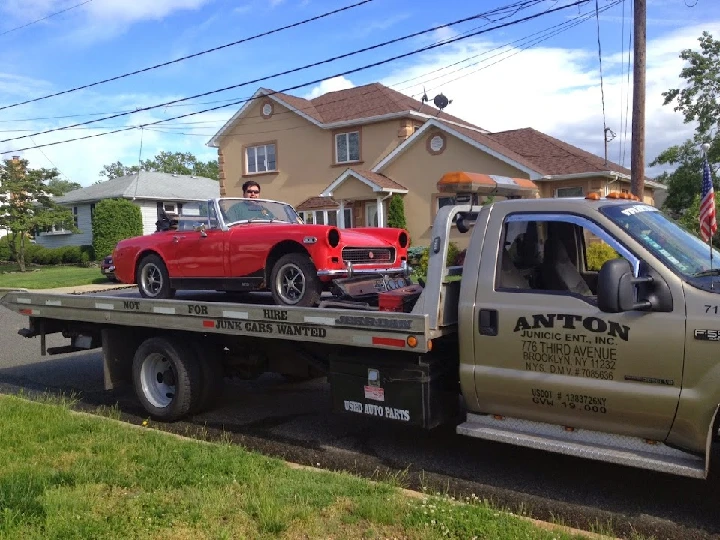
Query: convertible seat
x,y
558,271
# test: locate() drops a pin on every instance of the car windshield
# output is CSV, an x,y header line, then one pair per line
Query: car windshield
x,y
253,210
678,249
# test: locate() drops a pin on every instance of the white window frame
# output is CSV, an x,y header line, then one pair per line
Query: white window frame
x,y
558,190
346,134
305,214
257,169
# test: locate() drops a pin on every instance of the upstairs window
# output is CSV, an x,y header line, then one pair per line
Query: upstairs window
x,y
347,147
260,159
575,191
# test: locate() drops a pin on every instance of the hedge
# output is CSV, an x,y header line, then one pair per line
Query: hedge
x,y
114,220
37,254
597,253
418,258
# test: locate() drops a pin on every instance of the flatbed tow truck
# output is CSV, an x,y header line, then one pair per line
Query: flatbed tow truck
x,y
525,342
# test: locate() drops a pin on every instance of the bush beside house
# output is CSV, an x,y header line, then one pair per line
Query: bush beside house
x,y
114,220
35,254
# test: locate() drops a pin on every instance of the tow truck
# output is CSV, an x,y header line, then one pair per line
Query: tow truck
x,y
585,326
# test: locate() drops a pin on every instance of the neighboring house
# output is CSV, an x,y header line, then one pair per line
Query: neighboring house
x,y
339,157
151,191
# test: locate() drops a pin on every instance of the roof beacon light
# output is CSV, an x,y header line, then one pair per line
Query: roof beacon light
x,y
459,182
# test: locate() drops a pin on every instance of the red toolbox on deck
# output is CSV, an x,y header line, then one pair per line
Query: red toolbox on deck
x,y
401,300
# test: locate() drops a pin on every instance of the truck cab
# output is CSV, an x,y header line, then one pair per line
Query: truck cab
x,y
583,321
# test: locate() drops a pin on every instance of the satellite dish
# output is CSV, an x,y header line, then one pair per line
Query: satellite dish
x,y
441,101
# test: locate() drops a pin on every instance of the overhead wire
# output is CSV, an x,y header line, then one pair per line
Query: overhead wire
x,y
316,81
602,88
45,18
308,66
194,55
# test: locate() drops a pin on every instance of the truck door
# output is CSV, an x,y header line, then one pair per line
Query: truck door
x,y
543,349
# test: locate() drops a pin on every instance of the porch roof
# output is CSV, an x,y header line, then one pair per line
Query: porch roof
x,y
377,182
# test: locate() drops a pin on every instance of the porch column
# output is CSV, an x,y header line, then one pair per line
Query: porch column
x,y
380,212
341,214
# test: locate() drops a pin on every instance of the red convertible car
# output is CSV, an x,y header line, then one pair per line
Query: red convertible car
x,y
230,244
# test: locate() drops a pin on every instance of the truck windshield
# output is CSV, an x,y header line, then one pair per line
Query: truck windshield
x,y
678,249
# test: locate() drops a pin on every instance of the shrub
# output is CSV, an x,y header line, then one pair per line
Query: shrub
x,y
114,220
396,212
419,257
598,253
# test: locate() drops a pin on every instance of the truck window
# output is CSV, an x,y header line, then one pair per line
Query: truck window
x,y
559,255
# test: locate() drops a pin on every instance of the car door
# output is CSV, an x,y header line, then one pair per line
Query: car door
x,y
199,253
550,355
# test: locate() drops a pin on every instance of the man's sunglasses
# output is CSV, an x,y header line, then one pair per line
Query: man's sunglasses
x,y
253,191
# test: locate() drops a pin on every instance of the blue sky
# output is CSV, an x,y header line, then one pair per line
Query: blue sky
x,y
553,86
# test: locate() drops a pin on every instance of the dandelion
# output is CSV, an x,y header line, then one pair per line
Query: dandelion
x,y
145,423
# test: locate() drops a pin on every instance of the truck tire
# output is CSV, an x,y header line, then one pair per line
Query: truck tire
x,y
167,378
212,377
152,278
294,281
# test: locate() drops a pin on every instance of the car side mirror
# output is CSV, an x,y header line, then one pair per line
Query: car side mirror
x,y
201,229
617,289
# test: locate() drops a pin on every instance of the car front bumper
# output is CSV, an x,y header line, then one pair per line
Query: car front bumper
x,y
350,271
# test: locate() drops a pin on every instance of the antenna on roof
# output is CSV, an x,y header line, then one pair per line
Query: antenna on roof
x,y
424,98
441,101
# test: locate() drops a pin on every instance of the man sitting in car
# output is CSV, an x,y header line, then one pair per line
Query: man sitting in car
x,y
248,210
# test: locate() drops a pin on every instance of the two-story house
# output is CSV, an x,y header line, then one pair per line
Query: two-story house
x,y
339,157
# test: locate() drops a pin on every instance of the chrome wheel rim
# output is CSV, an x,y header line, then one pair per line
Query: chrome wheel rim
x,y
151,279
290,283
157,378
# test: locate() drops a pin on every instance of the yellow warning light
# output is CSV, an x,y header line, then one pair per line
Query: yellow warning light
x,y
613,195
485,184
412,341
498,417
430,345
593,196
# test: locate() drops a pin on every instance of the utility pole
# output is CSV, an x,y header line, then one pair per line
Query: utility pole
x,y
637,158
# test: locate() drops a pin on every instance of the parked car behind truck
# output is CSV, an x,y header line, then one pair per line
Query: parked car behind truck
x,y
619,365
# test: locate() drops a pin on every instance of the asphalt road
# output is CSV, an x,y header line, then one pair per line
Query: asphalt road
x,y
294,422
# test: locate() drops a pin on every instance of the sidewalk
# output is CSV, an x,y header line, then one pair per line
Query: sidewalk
x,y
82,289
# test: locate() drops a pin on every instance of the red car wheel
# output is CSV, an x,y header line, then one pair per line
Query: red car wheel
x,y
152,278
294,281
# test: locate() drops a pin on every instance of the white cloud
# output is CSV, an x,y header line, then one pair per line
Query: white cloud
x,y
329,85
101,19
557,91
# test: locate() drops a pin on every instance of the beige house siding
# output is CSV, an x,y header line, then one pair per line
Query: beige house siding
x,y
419,170
305,153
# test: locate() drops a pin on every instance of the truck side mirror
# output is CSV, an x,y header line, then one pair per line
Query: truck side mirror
x,y
616,287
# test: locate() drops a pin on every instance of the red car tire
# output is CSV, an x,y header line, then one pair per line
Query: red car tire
x,y
294,281
152,278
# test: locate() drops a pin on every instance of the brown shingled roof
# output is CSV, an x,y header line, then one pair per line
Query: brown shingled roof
x,y
551,156
362,102
378,179
317,202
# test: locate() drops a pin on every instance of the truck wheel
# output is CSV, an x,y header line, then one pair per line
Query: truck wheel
x,y
167,378
212,377
294,281
153,279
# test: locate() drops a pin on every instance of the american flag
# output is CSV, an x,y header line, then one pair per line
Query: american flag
x,y
708,224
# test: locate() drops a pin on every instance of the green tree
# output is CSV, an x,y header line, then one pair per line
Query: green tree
x,y
26,205
396,212
698,102
114,220
58,187
168,162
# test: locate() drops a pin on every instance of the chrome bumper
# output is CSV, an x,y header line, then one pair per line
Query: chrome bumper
x,y
350,271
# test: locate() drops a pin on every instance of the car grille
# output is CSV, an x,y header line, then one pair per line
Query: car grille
x,y
357,255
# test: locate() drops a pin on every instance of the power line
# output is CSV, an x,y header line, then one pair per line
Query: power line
x,y
554,30
286,72
310,83
44,18
584,17
244,40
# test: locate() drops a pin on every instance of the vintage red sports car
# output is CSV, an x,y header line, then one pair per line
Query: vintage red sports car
x,y
231,244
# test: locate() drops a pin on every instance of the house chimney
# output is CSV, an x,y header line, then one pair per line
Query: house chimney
x,y
16,158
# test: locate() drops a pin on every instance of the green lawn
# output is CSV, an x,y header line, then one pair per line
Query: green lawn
x,y
67,475
48,277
